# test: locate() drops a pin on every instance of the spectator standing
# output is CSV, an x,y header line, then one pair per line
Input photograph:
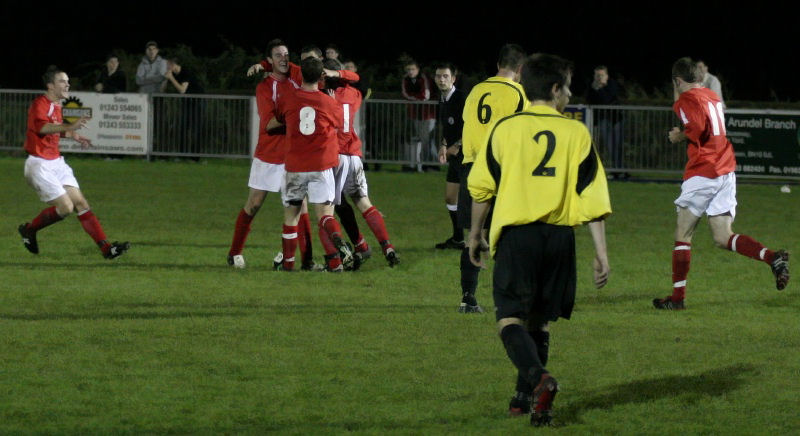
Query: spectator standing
x,y
417,88
607,91
191,108
150,75
111,80
710,81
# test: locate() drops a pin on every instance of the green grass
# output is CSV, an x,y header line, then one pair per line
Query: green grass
x,y
169,339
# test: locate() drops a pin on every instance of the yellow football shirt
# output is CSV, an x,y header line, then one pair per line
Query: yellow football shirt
x,y
489,101
540,166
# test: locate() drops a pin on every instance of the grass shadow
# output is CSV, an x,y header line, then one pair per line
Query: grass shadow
x,y
711,383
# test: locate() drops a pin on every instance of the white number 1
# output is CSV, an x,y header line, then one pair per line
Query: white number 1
x,y
717,118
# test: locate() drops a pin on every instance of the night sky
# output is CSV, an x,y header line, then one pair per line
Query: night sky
x,y
751,49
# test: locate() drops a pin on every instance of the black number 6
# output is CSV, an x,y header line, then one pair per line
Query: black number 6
x,y
484,110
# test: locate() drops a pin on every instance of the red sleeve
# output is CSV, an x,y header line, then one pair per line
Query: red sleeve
x,y
426,87
38,115
693,118
349,76
267,66
295,73
266,107
336,111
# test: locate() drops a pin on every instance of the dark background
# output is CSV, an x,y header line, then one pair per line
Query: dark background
x,y
752,48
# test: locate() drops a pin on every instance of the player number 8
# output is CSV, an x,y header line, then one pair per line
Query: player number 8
x,y
307,117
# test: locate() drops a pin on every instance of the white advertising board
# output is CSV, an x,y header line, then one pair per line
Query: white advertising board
x,y
118,123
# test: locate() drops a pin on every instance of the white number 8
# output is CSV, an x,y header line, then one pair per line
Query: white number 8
x,y
307,117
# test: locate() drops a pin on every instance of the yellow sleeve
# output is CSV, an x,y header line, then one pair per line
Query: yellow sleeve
x,y
592,188
481,181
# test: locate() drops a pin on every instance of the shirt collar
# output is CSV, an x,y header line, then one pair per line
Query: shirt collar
x,y
446,97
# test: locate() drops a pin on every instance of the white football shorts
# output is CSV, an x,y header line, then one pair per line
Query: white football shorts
x,y
266,176
710,196
318,185
350,178
48,177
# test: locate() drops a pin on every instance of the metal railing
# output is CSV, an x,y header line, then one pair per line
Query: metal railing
x,y
14,106
202,125
634,138
400,131
629,138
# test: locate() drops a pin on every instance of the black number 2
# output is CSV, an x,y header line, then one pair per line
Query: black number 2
x,y
484,110
542,170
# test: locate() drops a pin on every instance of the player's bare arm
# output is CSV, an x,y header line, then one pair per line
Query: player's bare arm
x,y
477,243
600,263
50,128
255,68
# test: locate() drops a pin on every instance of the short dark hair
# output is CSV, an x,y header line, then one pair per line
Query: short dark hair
x,y
511,56
601,67
540,72
409,61
49,76
111,55
333,46
686,69
332,64
446,65
311,48
311,69
272,44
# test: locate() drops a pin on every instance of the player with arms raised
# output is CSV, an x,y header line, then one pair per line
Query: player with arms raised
x,y
267,169
48,173
545,177
489,101
312,120
709,184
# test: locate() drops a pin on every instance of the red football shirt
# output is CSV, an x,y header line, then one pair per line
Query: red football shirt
x,y
271,148
710,153
312,120
350,99
43,111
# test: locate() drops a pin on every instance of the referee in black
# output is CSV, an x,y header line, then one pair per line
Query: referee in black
x,y
450,121
545,176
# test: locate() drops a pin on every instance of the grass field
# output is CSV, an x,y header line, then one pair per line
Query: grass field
x,y
169,339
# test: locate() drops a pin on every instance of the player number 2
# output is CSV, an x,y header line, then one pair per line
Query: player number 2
x,y
307,117
543,170
717,118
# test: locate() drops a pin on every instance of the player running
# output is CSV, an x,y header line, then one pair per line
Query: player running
x,y
709,184
349,174
48,173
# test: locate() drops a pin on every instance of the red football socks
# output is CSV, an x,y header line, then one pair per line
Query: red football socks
x,y
44,219
751,248
240,233
304,239
92,226
375,222
289,242
681,257
328,229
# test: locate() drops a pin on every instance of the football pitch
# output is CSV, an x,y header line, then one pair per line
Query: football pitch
x,y
169,339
